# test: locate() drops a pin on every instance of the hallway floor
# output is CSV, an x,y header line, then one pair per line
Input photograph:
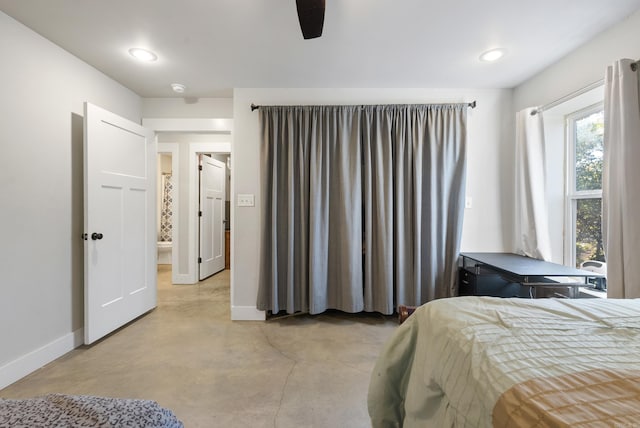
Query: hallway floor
x,y
304,371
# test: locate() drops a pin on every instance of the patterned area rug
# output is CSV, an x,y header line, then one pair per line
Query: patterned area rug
x,y
58,410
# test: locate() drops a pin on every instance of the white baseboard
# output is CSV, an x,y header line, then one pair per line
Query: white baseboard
x,y
247,313
28,363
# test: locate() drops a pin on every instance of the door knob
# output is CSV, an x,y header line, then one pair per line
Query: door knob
x,y
96,236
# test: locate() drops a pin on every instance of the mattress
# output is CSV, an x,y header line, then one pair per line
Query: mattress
x,y
485,361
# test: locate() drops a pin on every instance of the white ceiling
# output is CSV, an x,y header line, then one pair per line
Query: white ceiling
x,y
212,46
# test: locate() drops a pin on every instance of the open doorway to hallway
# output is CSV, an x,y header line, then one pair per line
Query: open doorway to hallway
x,y
186,138
179,162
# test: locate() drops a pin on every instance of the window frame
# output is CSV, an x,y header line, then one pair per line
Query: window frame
x,y
571,194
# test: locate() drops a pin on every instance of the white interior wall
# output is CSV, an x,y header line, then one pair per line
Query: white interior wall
x,y
221,108
583,66
489,172
41,183
165,164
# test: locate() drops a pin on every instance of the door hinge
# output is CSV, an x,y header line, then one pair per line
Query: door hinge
x,y
200,167
199,213
199,259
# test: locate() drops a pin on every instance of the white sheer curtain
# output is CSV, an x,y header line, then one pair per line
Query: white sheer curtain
x,y
621,180
531,213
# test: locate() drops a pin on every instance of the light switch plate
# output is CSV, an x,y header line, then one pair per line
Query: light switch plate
x,y
468,202
246,200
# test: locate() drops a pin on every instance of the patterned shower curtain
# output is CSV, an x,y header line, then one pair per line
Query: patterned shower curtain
x,y
167,208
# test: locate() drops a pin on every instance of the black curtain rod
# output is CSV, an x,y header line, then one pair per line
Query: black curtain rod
x,y
472,104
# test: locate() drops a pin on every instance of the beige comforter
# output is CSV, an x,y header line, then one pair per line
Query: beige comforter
x,y
483,361
588,398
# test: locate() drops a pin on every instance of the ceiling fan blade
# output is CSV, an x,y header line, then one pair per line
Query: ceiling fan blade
x,y
311,17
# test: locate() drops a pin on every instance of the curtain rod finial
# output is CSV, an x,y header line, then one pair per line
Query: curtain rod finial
x,y
254,107
472,104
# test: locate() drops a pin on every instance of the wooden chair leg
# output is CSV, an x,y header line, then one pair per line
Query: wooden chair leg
x,y
404,312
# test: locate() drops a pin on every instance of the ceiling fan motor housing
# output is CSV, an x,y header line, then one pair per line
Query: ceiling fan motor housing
x,y
311,17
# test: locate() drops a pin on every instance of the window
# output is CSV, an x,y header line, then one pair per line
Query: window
x,y
585,136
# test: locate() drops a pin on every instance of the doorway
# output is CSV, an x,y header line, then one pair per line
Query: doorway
x,y
164,209
205,144
186,138
212,220
168,209
185,149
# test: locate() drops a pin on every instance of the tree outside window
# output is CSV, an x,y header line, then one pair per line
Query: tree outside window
x,y
585,192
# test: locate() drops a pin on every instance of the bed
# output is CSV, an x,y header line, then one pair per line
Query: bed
x,y
68,411
492,362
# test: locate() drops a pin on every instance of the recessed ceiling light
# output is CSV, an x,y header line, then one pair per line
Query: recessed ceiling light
x,y
178,87
492,55
143,54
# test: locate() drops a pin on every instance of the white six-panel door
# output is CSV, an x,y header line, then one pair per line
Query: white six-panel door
x,y
119,219
212,198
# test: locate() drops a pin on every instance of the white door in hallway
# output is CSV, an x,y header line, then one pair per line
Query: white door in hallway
x,y
119,222
212,197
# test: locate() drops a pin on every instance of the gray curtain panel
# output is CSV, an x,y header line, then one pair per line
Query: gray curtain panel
x,y
362,206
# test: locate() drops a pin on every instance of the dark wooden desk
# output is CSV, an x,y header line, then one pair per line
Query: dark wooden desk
x,y
527,272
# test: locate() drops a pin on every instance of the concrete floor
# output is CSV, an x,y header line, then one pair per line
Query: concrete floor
x,y
306,371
